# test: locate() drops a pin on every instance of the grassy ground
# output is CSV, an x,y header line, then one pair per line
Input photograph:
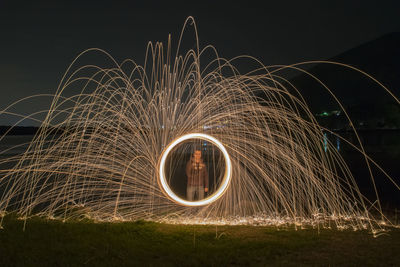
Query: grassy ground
x,y
53,243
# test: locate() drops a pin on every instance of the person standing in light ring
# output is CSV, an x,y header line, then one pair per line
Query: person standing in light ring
x,y
197,176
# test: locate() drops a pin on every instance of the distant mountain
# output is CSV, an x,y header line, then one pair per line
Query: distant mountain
x,y
379,58
18,130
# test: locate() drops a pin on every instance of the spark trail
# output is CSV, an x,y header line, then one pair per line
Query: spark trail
x,y
103,162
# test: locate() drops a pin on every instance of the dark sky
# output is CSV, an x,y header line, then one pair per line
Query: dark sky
x,y
39,39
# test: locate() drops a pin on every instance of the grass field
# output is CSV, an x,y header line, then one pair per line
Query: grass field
x,y
85,243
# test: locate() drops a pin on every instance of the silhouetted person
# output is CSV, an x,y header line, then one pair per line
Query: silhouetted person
x,y
197,175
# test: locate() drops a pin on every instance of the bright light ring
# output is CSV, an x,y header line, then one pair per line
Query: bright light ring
x,y
225,182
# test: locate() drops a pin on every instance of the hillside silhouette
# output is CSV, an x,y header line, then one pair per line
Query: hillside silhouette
x,y
359,94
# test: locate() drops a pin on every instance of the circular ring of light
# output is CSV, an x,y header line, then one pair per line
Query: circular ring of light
x,y
217,194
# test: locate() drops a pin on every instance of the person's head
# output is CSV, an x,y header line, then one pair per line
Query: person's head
x,y
197,155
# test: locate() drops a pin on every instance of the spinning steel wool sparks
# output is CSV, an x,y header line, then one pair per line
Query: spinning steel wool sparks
x,y
225,180
101,152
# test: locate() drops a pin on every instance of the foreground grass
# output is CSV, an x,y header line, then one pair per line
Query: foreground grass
x,y
53,243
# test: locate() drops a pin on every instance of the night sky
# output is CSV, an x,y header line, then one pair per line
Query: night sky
x,y
39,39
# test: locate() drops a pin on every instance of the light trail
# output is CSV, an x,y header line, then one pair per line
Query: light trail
x,y
106,161
225,181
